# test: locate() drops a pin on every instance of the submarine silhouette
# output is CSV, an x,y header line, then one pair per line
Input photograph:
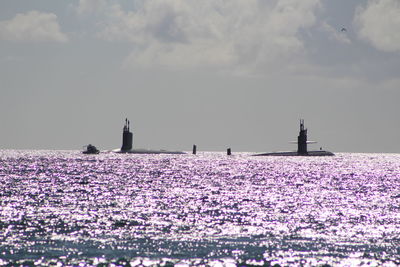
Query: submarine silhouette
x,y
301,147
127,142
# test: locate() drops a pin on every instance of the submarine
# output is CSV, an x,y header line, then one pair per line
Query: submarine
x,y
301,147
127,142
90,149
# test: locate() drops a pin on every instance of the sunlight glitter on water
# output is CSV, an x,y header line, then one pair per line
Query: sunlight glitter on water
x,y
207,208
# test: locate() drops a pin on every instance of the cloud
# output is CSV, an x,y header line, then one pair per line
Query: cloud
x,y
91,6
336,34
247,34
379,23
32,26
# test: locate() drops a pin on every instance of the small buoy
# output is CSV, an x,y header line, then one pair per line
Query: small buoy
x,y
194,149
228,152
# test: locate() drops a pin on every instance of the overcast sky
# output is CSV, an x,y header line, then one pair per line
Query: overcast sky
x,y
216,73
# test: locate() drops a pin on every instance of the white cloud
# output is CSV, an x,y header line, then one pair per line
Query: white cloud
x,y
32,26
231,33
379,24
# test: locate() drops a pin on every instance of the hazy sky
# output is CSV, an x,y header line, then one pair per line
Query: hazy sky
x,y
216,73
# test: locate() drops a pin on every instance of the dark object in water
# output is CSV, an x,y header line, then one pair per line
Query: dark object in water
x,y
316,153
127,137
127,143
301,147
91,149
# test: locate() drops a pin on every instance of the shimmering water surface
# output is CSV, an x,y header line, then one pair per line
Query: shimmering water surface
x,y
62,207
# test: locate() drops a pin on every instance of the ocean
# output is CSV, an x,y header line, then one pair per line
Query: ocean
x,y
65,208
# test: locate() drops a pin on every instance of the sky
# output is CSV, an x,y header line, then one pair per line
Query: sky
x,y
215,73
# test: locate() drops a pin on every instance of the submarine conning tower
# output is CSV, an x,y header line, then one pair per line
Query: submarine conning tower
x,y
127,137
302,140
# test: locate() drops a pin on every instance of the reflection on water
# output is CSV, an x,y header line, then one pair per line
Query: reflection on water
x,y
62,207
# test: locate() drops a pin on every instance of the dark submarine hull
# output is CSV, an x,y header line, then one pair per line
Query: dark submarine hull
x,y
127,142
301,147
148,151
316,153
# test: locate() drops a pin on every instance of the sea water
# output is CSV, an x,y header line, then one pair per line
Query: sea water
x,y
66,208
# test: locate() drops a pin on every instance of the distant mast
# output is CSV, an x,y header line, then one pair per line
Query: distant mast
x,y
302,140
127,137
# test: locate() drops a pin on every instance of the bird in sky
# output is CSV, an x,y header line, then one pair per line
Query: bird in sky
x,y
343,30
